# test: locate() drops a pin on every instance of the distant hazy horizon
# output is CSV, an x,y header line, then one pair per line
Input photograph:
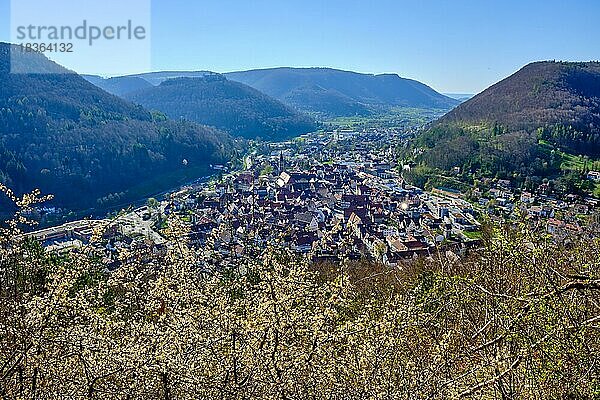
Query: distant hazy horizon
x,y
449,94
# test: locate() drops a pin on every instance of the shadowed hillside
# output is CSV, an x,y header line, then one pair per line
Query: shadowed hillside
x,y
64,135
231,106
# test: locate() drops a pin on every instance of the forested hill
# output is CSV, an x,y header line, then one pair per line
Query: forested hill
x,y
124,85
158,77
540,94
234,107
341,93
527,124
64,135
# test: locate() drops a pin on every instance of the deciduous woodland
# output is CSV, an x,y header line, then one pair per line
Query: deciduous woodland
x,y
230,106
519,318
64,135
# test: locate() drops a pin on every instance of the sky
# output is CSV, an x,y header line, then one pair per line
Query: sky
x,y
455,46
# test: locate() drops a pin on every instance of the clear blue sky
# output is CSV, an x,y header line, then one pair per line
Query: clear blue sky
x,y
452,45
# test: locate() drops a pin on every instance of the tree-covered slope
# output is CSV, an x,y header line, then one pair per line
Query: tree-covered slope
x,y
231,106
64,135
158,77
539,94
523,125
341,93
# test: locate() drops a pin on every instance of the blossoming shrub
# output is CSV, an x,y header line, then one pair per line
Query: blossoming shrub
x,y
518,319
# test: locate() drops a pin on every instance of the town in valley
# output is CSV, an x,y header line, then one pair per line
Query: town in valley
x,y
330,195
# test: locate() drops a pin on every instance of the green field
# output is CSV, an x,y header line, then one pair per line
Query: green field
x,y
396,117
473,235
572,162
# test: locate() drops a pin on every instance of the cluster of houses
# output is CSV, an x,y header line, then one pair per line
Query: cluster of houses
x,y
329,196
354,207
561,216
131,234
328,212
